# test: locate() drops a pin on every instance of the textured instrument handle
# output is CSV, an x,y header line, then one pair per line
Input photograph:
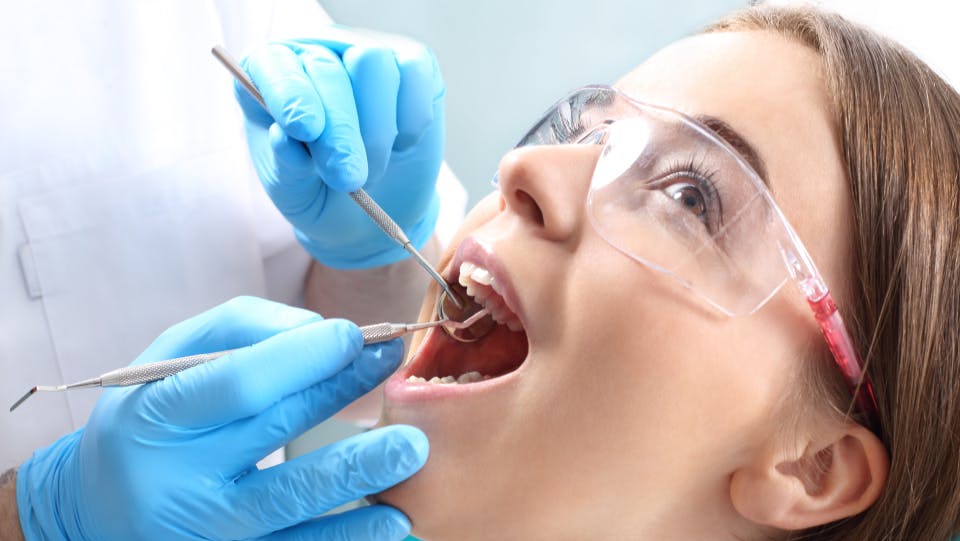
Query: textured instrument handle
x,y
381,332
145,373
378,215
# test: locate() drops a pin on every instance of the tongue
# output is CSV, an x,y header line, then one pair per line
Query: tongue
x,y
501,351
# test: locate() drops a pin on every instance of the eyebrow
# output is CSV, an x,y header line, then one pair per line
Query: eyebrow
x,y
738,142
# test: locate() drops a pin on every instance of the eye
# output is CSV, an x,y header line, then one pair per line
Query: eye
x,y
690,197
695,195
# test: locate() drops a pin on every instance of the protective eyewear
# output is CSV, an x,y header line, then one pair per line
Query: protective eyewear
x,y
670,193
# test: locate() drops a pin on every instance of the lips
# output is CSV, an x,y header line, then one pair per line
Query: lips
x,y
444,366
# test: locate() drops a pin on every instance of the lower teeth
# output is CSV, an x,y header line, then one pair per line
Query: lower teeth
x,y
469,377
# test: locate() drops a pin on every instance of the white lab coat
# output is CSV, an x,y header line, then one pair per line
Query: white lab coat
x,y
127,202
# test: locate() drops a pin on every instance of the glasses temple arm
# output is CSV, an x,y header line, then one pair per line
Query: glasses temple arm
x,y
845,355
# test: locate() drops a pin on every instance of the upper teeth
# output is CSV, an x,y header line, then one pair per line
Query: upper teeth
x,y
477,273
481,285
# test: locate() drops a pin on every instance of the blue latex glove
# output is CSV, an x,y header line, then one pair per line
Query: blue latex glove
x,y
371,112
175,459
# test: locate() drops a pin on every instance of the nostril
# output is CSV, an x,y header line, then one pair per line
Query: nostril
x,y
528,205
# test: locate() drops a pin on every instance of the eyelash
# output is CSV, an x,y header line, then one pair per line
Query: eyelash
x,y
705,182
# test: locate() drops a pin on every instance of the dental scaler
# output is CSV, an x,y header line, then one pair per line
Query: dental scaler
x,y
146,373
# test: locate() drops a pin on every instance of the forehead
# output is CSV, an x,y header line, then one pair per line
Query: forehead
x,y
756,81
771,90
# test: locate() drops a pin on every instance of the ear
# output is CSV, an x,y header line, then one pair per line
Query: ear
x,y
836,475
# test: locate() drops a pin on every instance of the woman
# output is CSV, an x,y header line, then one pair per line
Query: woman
x,y
661,385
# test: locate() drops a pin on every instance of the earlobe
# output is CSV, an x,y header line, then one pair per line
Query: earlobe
x,y
834,477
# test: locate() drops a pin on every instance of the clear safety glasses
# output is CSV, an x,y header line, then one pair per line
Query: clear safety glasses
x,y
668,192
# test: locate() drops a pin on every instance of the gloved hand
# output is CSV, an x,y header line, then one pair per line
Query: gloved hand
x,y
175,459
371,112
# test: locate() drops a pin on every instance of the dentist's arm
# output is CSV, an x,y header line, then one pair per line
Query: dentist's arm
x,y
388,293
9,522
175,459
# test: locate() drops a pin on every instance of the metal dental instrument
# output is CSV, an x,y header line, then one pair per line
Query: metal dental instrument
x,y
381,332
467,333
373,210
145,373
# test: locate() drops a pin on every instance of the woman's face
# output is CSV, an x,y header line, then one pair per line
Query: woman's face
x,y
630,402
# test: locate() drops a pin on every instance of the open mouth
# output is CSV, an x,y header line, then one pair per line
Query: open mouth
x,y
444,360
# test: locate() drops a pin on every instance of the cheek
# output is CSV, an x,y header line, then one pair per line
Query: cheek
x,y
672,379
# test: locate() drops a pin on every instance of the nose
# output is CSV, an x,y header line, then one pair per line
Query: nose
x,y
546,187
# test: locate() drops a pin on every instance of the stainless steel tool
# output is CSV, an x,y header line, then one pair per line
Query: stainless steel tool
x,y
145,373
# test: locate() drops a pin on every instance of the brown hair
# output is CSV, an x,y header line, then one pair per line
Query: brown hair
x,y
899,133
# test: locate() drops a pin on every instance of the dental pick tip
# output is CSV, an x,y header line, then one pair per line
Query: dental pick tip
x,y
33,391
23,399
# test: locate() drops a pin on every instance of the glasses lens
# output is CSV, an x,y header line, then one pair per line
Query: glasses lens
x,y
672,196
668,193
572,118
568,120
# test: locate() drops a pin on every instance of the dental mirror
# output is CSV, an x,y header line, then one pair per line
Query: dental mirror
x,y
447,309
